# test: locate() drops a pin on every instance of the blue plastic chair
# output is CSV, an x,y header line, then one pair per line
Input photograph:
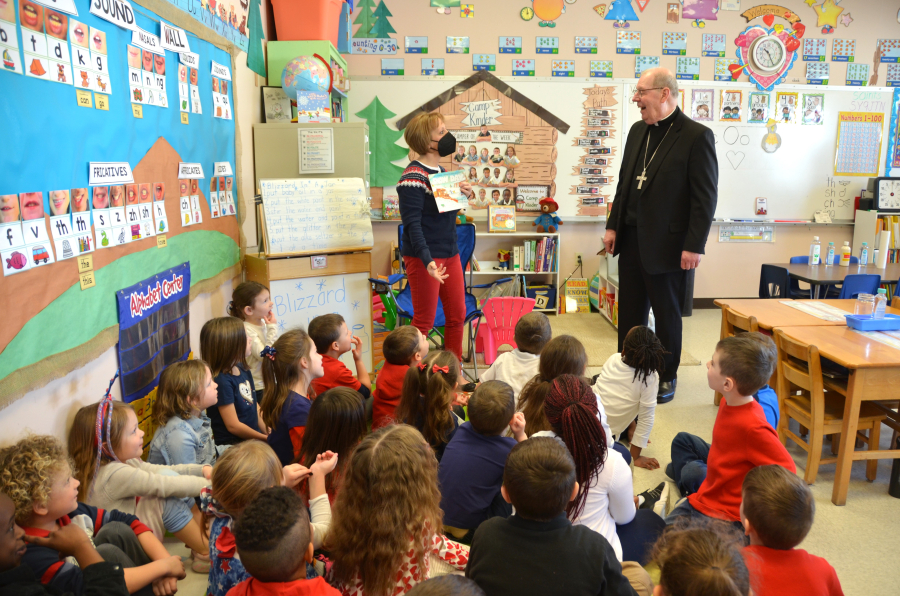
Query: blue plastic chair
x,y
774,282
831,291
859,283
834,261
465,239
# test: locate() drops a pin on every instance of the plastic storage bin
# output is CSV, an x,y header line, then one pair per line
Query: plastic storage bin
x,y
302,20
548,290
867,323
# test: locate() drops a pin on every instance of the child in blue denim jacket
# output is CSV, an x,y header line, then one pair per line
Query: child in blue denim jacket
x,y
184,434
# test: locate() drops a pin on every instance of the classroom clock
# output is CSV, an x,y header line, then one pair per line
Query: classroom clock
x,y
527,13
767,54
887,193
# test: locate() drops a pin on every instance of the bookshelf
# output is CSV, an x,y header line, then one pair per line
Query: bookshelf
x,y
865,230
506,241
609,289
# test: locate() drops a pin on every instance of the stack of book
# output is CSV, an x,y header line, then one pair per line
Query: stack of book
x,y
535,255
890,223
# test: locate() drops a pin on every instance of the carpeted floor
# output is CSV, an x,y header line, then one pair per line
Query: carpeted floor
x,y
860,539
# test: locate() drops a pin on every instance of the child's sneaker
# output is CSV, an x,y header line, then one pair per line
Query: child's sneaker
x,y
653,497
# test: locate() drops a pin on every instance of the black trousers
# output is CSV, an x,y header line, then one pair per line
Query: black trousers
x,y
639,290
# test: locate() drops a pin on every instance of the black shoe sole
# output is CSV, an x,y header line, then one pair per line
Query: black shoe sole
x,y
664,399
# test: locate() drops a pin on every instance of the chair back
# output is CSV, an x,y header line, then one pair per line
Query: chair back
x,y
859,283
501,315
735,323
801,260
774,282
809,377
804,259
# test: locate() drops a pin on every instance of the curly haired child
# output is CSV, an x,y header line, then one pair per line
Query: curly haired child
x,y
114,475
387,517
252,304
627,386
36,474
429,390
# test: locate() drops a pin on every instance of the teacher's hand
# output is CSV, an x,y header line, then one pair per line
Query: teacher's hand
x,y
466,189
690,260
609,241
439,273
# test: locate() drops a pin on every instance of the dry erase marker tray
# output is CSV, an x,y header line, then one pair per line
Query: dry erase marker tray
x,y
867,323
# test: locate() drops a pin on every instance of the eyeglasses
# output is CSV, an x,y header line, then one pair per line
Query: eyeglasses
x,y
640,92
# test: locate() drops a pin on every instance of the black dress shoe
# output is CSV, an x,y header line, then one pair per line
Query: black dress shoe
x,y
666,391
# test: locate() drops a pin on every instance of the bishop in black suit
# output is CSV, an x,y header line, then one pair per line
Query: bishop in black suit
x,y
661,215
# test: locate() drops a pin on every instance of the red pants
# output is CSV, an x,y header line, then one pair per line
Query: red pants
x,y
425,291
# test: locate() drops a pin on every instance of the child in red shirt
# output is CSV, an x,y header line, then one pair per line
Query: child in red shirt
x,y
742,438
274,540
777,511
333,339
403,347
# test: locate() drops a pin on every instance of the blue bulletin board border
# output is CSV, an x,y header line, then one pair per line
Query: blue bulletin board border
x,y
892,158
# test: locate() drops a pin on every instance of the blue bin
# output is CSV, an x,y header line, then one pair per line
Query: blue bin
x,y
867,323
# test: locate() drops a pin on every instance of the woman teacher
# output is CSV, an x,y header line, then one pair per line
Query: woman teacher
x,y
428,246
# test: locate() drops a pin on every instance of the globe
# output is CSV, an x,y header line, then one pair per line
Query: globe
x,y
306,73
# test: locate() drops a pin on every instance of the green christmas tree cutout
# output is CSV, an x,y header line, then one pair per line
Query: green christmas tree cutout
x,y
382,28
383,146
365,19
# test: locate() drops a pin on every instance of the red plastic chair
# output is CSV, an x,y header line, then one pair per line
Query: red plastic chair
x,y
499,325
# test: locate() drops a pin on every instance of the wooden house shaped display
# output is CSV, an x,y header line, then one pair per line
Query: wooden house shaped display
x,y
506,142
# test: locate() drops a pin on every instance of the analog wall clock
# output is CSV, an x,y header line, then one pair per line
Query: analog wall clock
x,y
767,54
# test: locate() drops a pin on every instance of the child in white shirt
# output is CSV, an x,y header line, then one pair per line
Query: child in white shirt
x,y
518,367
627,387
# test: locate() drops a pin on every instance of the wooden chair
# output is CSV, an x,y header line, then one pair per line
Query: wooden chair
x,y
817,403
732,324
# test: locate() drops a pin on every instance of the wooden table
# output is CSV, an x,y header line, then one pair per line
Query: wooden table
x,y
874,375
822,275
771,313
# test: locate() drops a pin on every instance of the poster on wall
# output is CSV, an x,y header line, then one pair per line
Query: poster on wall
x,y
228,18
154,332
858,143
595,185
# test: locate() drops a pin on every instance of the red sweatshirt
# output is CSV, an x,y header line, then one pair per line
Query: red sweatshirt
x,y
336,375
386,398
742,440
776,572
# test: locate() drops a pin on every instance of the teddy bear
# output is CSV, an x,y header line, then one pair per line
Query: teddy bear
x,y
547,221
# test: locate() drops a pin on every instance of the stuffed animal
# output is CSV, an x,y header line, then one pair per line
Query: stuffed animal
x,y
547,220
503,257
461,216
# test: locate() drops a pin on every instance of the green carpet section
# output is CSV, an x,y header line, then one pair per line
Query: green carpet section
x,y
77,316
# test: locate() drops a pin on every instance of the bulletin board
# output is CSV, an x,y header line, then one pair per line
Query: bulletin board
x,y
53,326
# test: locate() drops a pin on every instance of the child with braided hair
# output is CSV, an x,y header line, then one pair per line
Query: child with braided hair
x,y
627,387
605,501
429,390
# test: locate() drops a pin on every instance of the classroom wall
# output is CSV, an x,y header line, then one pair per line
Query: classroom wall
x,y
718,275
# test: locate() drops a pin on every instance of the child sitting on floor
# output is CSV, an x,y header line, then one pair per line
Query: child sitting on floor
x,y
99,577
239,476
742,438
471,470
777,511
519,366
387,517
251,303
429,390
627,387
107,444
333,339
404,347
290,366
37,476
701,557
274,539
537,550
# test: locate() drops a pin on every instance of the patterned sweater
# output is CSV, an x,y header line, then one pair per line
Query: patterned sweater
x,y
427,233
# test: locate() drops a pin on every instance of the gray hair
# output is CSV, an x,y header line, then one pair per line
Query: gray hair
x,y
663,78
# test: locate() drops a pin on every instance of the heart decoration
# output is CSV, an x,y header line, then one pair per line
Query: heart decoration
x,y
779,28
741,41
735,70
791,44
766,82
799,30
769,19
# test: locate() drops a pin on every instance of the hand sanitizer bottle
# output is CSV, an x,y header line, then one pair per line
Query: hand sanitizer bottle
x,y
829,256
864,255
845,254
815,250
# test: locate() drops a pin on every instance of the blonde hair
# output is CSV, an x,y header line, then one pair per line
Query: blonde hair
x,y
179,389
418,132
389,504
28,469
427,395
241,472
282,373
83,442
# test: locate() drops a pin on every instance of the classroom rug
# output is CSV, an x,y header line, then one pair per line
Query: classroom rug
x,y
599,337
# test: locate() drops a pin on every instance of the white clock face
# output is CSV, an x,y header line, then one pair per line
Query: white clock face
x,y
767,54
888,194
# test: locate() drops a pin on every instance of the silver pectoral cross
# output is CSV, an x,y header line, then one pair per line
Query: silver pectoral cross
x,y
641,179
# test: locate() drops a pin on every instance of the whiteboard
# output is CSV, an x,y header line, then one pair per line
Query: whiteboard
x,y
315,215
299,301
797,180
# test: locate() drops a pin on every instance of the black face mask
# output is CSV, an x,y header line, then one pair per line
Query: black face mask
x,y
446,145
